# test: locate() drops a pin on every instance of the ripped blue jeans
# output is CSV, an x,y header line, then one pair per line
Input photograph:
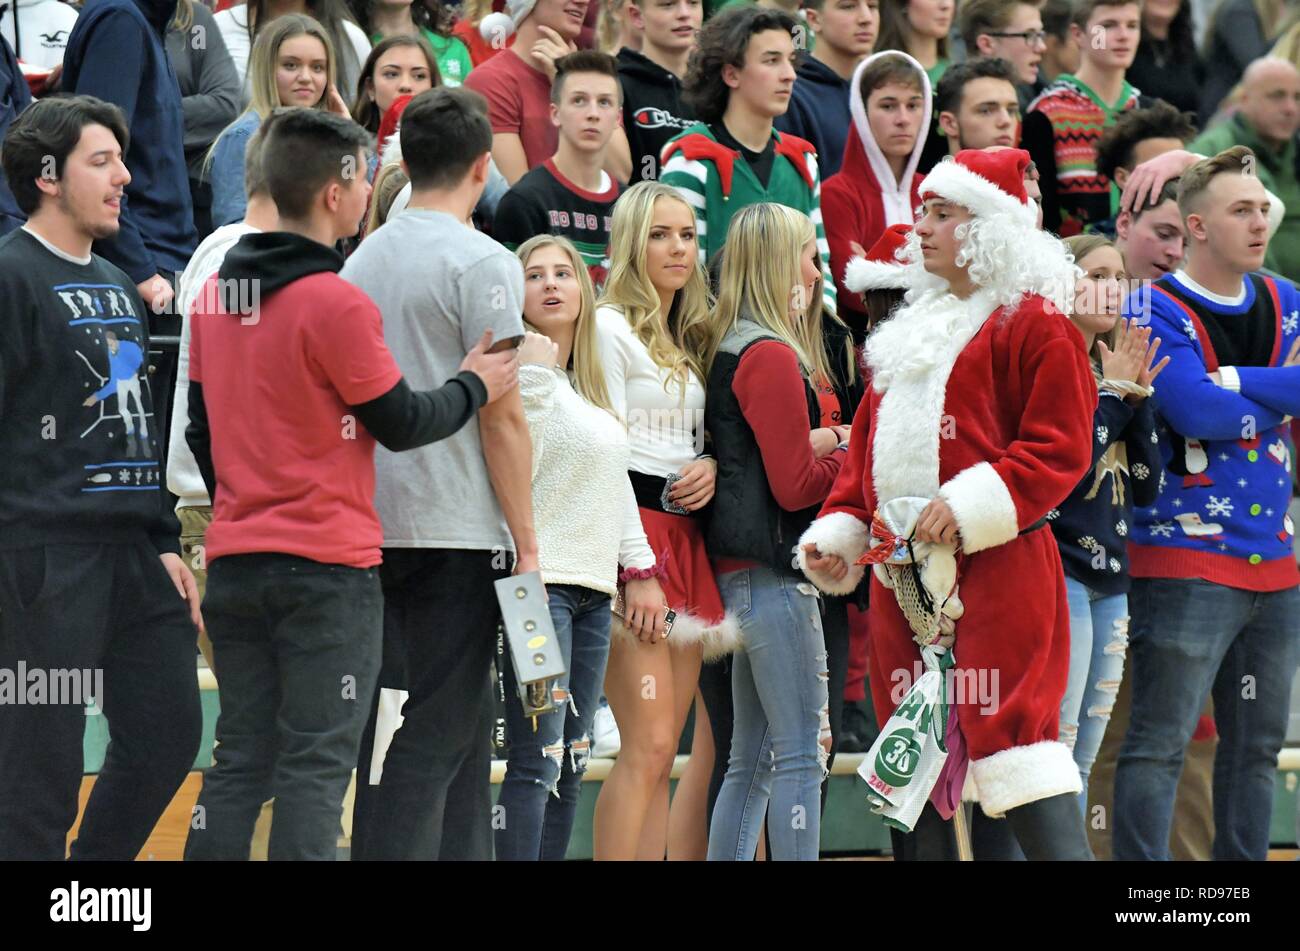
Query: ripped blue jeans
x,y
779,690
1098,642
544,767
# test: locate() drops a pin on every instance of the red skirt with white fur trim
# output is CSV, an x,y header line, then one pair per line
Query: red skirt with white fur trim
x,y
686,576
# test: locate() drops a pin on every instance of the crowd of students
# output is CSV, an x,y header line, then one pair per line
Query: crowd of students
x,y
699,313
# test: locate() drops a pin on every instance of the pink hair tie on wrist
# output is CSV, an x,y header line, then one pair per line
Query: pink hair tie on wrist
x,y
641,574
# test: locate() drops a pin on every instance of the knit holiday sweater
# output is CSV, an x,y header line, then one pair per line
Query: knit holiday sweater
x,y
1225,480
717,182
1060,133
78,430
587,518
545,202
1092,526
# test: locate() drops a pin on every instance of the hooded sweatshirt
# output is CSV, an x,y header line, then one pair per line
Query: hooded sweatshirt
x,y
116,53
864,198
14,98
277,319
819,113
37,29
653,110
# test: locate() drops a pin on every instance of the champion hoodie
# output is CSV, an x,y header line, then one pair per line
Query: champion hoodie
x,y
864,198
653,110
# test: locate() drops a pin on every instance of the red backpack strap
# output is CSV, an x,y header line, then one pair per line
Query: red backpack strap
x,y
698,146
794,149
1207,348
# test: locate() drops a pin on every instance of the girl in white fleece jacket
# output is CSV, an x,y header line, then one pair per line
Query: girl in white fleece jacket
x,y
587,526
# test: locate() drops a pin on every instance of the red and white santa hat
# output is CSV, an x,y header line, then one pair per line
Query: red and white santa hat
x,y
985,183
882,268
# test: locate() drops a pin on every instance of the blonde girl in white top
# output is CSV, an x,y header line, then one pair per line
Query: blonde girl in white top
x,y
587,525
653,323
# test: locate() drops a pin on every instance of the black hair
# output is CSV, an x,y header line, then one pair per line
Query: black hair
x,y
947,95
435,16
443,133
254,172
723,42
1182,40
306,150
1116,147
1056,18
49,129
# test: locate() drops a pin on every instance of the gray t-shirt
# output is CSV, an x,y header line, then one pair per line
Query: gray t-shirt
x,y
439,284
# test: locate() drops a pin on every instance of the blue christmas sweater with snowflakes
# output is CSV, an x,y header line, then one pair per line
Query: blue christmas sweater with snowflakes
x,y
1225,480
1092,527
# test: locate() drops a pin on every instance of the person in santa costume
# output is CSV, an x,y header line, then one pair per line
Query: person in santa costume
x,y
981,401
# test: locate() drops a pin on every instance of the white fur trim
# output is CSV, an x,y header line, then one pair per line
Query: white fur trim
x,y
981,197
392,151
970,790
1024,774
1276,213
863,275
726,638
895,195
717,640
986,515
838,533
911,356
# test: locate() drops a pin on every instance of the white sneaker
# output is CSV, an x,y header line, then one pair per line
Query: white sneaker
x,y
605,741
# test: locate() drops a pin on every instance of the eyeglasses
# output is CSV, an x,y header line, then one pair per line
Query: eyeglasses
x,y
1032,37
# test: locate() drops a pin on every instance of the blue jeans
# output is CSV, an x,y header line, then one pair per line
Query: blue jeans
x,y
1188,637
1098,640
778,687
539,796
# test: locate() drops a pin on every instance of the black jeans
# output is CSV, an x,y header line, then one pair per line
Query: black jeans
x,y
298,644
434,798
934,840
109,608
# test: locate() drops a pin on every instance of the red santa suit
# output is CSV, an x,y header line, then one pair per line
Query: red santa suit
x,y
987,403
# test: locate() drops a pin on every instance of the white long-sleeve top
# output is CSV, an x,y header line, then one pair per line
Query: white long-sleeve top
x,y
583,507
662,428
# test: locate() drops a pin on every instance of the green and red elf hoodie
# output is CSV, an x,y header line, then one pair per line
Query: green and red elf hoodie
x,y
717,182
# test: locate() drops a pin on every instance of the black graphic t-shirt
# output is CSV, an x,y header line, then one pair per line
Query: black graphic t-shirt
x,y
77,432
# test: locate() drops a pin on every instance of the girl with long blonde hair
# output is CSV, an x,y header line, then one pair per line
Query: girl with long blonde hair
x,y
587,525
776,465
652,324
292,64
